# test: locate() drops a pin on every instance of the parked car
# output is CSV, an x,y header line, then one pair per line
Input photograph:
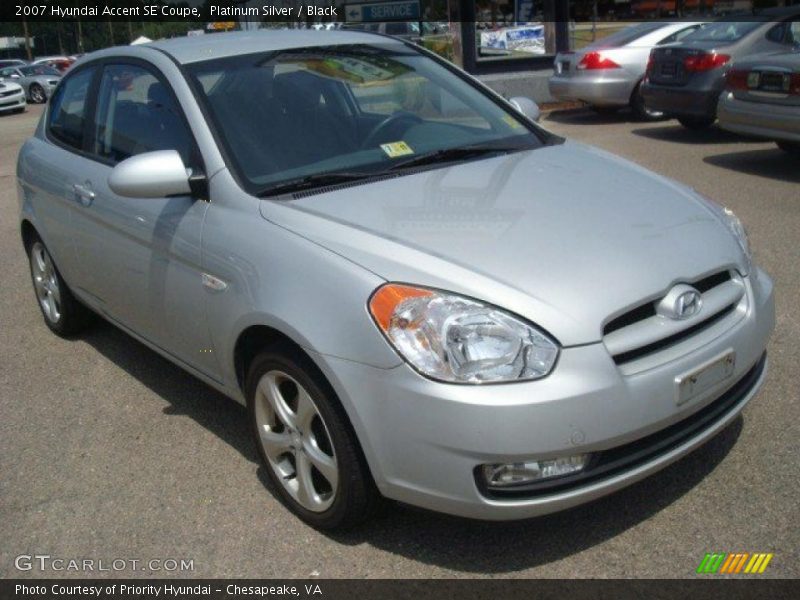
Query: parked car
x,y
417,291
44,60
60,64
12,97
762,98
38,81
684,80
607,74
12,62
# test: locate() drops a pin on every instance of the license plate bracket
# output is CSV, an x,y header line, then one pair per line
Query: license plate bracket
x,y
703,378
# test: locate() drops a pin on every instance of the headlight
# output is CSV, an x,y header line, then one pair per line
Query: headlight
x,y
734,225
739,232
455,339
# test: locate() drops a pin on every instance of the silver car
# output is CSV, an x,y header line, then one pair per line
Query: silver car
x,y
762,99
607,73
38,81
417,291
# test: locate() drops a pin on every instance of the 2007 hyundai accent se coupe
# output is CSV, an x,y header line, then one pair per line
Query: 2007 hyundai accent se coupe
x,y
418,292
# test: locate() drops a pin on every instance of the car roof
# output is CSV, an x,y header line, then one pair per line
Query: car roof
x,y
221,45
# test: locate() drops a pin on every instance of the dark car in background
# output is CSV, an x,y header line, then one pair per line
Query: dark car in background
x,y
762,99
684,80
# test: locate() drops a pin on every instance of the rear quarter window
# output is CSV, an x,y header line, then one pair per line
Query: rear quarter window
x,y
67,115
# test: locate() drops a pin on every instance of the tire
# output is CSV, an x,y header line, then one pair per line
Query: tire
x,y
62,313
640,110
283,380
36,94
789,147
696,123
605,110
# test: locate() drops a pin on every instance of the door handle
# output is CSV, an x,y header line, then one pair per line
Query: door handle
x,y
84,193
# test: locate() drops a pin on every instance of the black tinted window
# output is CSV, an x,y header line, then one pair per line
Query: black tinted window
x,y
68,108
136,113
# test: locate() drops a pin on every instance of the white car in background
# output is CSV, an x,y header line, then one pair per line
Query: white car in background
x,y
12,97
607,73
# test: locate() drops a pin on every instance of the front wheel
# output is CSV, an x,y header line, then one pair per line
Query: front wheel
x,y
305,441
789,147
696,123
37,94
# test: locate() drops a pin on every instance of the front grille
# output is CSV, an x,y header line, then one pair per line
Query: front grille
x,y
629,456
8,93
640,331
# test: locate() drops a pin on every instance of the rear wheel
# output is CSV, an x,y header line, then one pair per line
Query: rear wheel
x,y
37,94
62,313
640,109
696,123
305,441
790,147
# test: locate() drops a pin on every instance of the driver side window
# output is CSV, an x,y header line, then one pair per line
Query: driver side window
x,y
136,113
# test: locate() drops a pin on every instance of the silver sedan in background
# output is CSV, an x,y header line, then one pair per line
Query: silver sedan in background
x,y
762,99
607,73
38,81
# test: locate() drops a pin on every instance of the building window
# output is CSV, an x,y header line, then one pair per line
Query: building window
x,y
512,29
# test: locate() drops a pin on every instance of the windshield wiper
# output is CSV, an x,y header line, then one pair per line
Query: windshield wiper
x,y
450,154
310,181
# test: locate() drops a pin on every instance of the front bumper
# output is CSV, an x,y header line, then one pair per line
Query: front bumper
x,y
601,89
13,101
681,101
770,121
423,440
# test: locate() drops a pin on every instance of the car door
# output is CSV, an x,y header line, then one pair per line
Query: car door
x,y
53,172
144,253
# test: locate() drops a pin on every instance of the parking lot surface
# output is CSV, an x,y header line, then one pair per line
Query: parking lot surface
x,y
108,451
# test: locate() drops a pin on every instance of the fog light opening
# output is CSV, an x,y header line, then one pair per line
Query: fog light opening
x,y
507,475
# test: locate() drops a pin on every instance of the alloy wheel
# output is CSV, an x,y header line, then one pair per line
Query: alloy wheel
x,y
37,94
296,441
45,281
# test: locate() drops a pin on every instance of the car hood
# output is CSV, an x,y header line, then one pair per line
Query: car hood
x,y
567,236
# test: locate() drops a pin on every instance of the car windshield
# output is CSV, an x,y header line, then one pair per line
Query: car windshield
x,y
348,111
723,31
38,70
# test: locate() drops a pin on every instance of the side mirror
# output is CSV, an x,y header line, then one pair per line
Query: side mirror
x,y
527,107
151,175
14,76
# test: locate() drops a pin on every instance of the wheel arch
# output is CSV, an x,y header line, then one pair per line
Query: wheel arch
x,y
28,233
252,340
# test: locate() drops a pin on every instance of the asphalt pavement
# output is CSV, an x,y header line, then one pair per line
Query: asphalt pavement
x,y
108,451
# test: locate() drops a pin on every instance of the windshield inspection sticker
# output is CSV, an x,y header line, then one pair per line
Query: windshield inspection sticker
x,y
512,122
395,149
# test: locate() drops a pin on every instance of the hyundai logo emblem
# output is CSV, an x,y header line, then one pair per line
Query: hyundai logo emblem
x,y
681,302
